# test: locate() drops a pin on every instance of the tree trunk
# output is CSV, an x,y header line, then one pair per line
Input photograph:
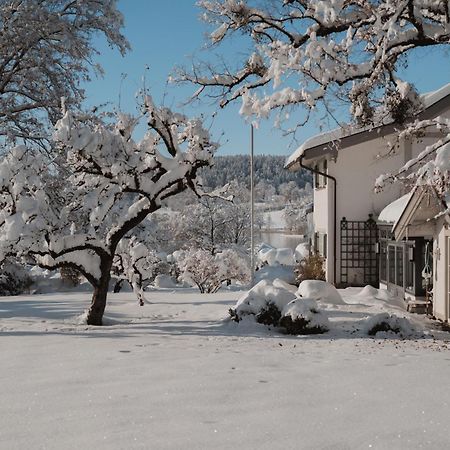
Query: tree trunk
x,y
98,303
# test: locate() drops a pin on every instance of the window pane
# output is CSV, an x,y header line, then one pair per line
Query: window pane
x,y
399,265
391,250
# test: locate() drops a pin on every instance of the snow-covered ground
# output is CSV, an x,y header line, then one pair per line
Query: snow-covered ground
x,y
175,375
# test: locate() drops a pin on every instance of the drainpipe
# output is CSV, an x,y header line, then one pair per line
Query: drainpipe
x,y
313,171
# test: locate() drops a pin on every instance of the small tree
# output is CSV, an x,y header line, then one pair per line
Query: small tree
x,y
114,182
208,272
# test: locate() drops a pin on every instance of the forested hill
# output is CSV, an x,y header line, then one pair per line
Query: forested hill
x,y
268,168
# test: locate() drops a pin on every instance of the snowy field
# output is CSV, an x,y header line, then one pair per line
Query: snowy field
x,y
175,375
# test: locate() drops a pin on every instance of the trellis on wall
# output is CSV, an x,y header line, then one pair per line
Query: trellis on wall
x,y
359,262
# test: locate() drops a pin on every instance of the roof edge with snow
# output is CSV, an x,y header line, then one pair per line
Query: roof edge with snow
x,y
326,143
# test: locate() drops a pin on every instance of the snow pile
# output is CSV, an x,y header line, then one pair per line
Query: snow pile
x,y
303,316
301,251
276,256
274,263
264,301
372,296
272,273
321,291
164,281
385,324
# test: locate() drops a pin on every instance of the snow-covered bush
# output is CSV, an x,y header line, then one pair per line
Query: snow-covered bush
x,y
310,268
388,323
303,316
276,304
14,279
320,291
265,301
208,272
301,252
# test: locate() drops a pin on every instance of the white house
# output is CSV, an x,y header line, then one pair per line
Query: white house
x,y
357,230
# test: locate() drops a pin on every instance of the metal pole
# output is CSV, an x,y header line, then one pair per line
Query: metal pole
x,y
252,212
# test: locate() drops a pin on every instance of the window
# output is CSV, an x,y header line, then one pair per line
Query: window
x,y
383,260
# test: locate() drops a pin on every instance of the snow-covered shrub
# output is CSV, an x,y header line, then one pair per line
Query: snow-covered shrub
x,y
14,279
303,316
301,251
310,268
321,291
388,323
208,272
265,301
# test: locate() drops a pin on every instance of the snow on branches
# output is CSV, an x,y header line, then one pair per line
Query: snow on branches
x,y
113,183
46,52
432,165
303,51
208,272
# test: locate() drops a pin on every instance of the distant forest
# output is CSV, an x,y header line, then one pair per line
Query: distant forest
x,y
268,168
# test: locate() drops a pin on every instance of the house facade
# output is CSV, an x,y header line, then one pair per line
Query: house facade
x,y
347,232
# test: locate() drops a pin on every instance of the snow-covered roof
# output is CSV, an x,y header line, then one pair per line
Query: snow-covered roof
x,y
392,212
429,99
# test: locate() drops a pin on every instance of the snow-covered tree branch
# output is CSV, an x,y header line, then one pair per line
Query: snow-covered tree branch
x,y
46,50
114,184
303,51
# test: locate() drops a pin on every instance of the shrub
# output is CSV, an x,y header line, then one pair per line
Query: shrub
x,y
310,268
208,272
388,323
303,316
14,279
269,315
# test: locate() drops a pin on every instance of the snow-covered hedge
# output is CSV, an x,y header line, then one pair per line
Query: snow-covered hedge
x,y
388,323
264,301
303,316
275,303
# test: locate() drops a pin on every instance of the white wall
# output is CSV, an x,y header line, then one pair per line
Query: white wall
x,y
441,262
356,169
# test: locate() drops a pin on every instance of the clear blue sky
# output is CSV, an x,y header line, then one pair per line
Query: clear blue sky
x,y
167,33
